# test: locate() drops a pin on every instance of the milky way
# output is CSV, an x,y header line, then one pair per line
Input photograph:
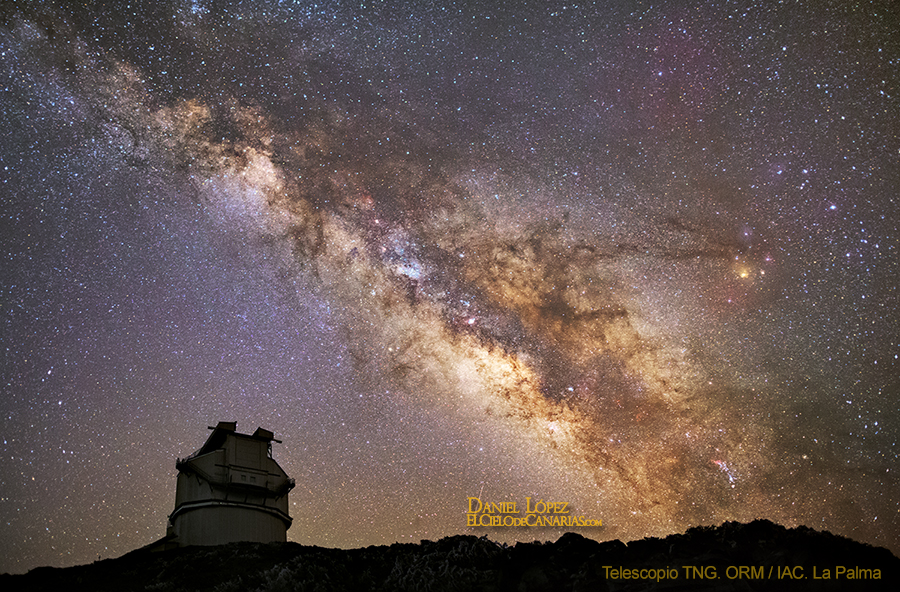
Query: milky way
x,y
637,258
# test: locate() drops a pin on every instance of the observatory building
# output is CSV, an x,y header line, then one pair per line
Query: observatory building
x,y
230,490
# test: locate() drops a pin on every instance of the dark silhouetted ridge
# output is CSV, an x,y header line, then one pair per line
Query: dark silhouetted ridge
x,y
756,556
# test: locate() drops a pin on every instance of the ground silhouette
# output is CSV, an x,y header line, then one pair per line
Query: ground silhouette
x,y
755,556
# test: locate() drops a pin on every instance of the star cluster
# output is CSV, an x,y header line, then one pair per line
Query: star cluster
x,y
636,257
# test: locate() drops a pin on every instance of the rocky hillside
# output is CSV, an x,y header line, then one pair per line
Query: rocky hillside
x,y
756,556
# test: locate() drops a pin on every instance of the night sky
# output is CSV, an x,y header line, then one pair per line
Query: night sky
x,y
640,257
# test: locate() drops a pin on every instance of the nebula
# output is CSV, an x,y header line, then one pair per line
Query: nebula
x,y
596,273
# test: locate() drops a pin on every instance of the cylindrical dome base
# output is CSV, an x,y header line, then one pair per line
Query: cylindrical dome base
x,y
217,524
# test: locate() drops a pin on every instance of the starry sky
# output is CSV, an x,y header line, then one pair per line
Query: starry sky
x,y
636,256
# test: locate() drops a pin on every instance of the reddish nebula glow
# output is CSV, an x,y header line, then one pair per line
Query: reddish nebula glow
x,y
574,264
